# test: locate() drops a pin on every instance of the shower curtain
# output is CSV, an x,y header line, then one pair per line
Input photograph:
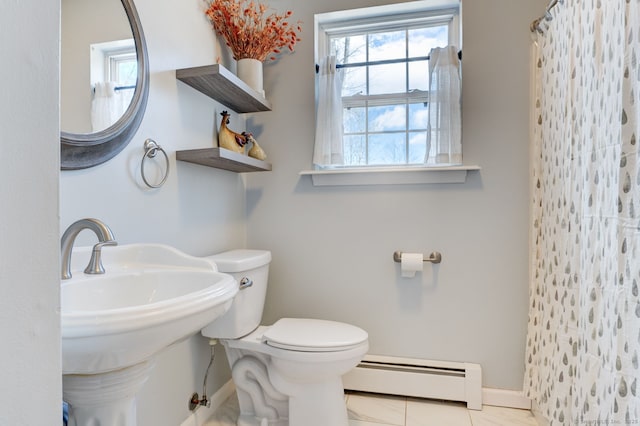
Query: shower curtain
x,y
583,343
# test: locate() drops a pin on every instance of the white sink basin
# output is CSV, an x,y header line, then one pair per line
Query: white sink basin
x,y
150,297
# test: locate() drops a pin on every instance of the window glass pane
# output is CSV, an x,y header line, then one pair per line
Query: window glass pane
x,y
354,81
389,148
417,147
387,118
354,120
385,114
418,116
355,148
419,75
349,49
127,72
388,78
387,45
422,40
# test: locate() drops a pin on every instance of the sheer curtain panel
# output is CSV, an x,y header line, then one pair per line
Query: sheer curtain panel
x,y
444,138
328,144
108,105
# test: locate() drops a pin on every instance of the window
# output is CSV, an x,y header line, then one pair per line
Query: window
x,y
113,76
115,61
383,53
123,68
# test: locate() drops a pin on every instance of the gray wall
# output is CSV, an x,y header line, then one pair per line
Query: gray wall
x,y
332,246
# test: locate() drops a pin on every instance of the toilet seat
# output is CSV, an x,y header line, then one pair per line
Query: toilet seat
x,y
313,335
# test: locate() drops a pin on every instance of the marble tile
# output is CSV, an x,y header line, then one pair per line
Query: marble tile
x,y
500,416
386,410
226,414
421,412
381,410
361,423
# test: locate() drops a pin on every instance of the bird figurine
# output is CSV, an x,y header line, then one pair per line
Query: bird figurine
x,y
256,150
227,138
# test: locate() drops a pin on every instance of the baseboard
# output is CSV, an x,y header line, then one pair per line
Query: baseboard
x,y
505,398
202,414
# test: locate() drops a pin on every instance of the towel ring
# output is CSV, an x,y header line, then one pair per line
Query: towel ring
x,y
151,148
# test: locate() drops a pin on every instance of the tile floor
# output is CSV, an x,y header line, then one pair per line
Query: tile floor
x,y
380,410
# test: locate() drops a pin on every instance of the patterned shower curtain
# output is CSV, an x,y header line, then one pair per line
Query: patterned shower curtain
x,y
583,343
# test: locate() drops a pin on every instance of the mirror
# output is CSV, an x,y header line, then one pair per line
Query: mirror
x,y
104,62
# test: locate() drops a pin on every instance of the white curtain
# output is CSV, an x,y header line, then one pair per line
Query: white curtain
x,y
328,144
444,140
108,105
583,342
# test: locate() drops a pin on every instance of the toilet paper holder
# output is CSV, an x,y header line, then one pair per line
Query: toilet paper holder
x,y
434,257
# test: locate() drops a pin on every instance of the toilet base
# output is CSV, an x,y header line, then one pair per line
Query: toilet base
x,y
321,404
278,387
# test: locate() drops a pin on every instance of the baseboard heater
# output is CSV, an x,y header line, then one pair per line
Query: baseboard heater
x,y
452,381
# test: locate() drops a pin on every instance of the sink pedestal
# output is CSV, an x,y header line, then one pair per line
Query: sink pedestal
x,y
105,399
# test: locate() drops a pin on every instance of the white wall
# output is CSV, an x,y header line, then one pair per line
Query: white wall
x,y
332,247
31,385
199,210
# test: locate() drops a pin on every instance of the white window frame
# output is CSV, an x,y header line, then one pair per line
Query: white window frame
x,y
104,57
373,17
113,60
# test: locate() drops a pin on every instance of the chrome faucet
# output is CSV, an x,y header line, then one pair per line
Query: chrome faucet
x,y
105,238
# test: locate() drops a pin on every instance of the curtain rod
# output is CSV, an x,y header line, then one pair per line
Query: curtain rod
x,y
384,62
535,25
117,88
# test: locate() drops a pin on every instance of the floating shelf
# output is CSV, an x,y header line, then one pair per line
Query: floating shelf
x,y
221,158
222,85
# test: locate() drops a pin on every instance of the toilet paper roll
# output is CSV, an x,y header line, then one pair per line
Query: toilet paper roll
x,y
410,263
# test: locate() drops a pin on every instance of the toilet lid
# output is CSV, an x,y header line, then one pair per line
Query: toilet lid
x,y
312,335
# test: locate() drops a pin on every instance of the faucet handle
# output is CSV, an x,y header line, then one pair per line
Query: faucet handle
x,y
95,263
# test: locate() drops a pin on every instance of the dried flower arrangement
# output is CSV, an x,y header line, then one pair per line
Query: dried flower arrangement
x,y
248,32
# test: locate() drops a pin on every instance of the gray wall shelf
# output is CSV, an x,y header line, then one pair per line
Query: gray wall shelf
x,y
223,86
221,158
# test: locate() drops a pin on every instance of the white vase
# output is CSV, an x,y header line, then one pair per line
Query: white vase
x,y
250,71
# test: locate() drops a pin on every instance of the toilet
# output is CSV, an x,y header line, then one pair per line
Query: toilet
x,y
289,373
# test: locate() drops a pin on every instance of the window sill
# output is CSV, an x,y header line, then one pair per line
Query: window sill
x,y
389,175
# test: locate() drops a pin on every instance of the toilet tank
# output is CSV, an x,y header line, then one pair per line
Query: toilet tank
x,y
245,313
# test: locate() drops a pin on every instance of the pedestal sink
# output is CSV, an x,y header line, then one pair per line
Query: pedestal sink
x,y
151,297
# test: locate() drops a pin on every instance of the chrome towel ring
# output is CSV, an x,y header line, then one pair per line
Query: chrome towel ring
x,y
151,148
